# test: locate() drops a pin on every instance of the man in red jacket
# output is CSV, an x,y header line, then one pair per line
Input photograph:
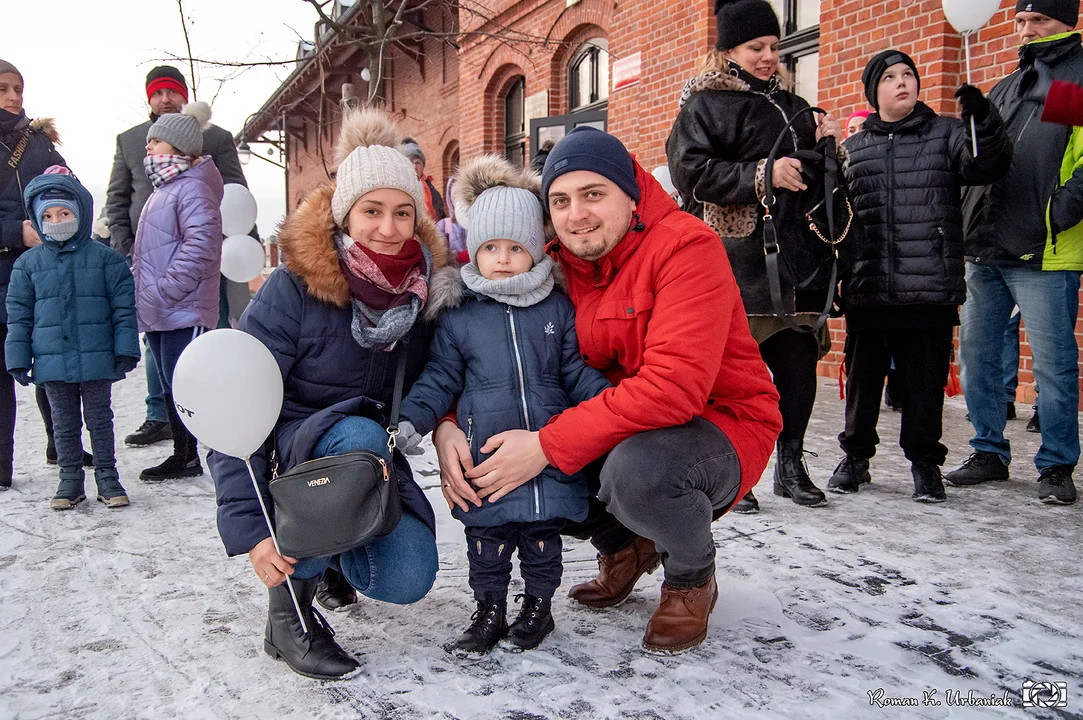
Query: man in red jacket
x,y
692,417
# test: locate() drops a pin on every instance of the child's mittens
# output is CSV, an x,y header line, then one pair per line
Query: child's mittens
x,y
22,376
409,441
124,364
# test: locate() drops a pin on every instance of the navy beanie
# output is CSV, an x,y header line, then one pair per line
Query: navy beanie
x,y
878,66
588,148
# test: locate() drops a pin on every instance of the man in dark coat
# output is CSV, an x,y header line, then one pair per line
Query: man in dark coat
x,y
1024,246
129,188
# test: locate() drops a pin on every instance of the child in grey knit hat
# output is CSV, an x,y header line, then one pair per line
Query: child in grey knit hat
x,y
505,348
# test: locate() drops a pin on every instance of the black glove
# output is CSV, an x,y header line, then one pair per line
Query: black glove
x,y
125,364
974,104
21,375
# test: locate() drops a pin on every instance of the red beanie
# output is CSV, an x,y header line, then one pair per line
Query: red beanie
x,y
167,78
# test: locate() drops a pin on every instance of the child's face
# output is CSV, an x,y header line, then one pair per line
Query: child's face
x,y
382,220
897,92
161,147
502,259
11,93
57,214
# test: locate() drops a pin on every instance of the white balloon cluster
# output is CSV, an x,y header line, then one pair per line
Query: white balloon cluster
x,y
242,255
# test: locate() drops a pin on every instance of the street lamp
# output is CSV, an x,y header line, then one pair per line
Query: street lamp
x,y
244,152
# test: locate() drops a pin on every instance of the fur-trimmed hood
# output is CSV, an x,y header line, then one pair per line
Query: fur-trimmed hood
x,y
47,127
306,239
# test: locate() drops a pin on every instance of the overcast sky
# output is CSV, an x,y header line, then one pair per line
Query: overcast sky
x,y
85,63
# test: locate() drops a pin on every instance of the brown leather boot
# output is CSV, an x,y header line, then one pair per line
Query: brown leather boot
x,y
617,575
680,622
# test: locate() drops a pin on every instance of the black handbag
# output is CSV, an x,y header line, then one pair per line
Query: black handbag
x,y
805,254
333,504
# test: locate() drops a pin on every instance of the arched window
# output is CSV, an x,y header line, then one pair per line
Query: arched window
x,y
515,123
588,76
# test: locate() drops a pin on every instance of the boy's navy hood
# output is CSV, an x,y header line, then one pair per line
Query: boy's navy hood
x,y
70,185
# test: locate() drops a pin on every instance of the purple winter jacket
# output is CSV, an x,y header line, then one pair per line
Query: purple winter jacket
x,y
178,252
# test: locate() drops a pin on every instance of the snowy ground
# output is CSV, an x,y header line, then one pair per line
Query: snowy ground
x,y
137,613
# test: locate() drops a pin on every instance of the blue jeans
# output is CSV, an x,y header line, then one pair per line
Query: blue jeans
x,y
1010,358
1049,305
156,409
399,567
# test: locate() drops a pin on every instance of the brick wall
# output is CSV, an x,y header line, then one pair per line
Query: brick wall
x,y
851,31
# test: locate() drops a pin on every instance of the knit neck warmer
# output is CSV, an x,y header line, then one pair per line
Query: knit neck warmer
x,y
384,312
163,168
10,123
522,290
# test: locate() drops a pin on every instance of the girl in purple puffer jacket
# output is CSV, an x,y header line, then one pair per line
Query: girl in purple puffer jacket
x,y
177,260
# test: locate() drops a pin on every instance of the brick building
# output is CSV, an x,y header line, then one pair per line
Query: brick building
x,y
533,69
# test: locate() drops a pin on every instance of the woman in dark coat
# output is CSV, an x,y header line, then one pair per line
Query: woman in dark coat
x,y
31,146
730,116
359,255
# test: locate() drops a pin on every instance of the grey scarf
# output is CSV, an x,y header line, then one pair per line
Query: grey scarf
x,y
524,290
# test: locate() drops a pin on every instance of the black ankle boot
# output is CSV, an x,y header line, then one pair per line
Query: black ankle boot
x,y
748,505
333,592
928,482
535,621
489,624
850,474
184,462
791,475
315,655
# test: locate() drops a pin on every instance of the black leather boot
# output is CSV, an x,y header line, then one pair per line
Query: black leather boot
x,y
333,592
184,462
489,624
535,621
316,654
850,474
791,475
928,482
748,505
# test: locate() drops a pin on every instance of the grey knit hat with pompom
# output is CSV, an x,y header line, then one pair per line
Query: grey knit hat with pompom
x,y
183,130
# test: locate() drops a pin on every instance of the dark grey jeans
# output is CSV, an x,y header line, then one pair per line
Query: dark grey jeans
x,y
667,485
71,403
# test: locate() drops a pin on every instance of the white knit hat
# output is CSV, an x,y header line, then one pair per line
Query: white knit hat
x,y
370,160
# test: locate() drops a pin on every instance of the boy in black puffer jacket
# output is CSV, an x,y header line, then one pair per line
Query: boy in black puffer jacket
x,y
902,294
506,348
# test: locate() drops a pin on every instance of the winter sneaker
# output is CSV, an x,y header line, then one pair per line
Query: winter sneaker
x,y
928,483
791,476
535,621
489,625
110,492
978,468
149,433
50,455
174,468
1055,486
850,474
333,592
69,492
1034,425
748,505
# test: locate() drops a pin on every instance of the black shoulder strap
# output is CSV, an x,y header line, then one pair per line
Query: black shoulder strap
x,y
396,399
10,164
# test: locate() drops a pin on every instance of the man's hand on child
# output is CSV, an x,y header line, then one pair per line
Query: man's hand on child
x,y
21,375
408,440
125,364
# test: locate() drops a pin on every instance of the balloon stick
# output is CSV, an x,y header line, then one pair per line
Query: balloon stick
x,y
973,125
270,528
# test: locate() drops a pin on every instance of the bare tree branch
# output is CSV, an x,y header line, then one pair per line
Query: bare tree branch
x,y
188,43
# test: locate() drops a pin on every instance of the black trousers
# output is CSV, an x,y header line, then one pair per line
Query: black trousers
x,y
489,551
921,371
667,485
791,356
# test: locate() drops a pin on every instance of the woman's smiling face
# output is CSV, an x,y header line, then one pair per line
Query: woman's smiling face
x,y
382,220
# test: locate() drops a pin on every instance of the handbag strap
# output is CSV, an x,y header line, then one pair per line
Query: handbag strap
x,y
396,399
11,163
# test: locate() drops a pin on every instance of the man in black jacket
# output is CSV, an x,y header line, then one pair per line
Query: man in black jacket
x,y
903,291
129,189
1024,246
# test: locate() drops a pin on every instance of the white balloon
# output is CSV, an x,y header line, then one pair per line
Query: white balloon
x,y
238,210
242,258
228,391
968,16
661,174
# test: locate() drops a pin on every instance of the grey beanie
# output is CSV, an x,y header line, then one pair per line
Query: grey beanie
x,y
506,213
412,150
372,167
183,130
6,67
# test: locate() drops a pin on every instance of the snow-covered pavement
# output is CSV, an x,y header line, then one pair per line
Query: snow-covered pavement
x,y
137,613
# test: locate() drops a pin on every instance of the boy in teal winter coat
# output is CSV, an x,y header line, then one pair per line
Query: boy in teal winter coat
x,y
72,330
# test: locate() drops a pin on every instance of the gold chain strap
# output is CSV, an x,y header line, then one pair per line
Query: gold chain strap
x,y
845,231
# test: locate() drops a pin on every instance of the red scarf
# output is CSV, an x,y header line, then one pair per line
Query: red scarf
x,y
381,282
